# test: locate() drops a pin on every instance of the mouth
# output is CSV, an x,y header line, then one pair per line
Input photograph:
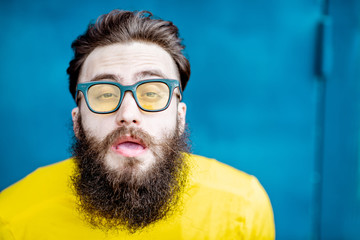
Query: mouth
x,y
129,147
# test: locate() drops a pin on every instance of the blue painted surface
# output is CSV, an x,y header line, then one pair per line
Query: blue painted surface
x,y
252,97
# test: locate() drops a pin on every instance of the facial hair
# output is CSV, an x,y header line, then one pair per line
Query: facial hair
x,y
126,198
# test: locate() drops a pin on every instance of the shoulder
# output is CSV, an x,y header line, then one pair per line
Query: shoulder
x,y
235,198
222,177
40,186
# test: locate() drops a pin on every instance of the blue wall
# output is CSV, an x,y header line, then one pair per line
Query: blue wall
x,y
256,98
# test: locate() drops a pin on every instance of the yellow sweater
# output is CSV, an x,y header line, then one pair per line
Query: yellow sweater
x,y
221,203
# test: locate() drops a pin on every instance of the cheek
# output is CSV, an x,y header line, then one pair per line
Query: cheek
x,y
165,121
96,125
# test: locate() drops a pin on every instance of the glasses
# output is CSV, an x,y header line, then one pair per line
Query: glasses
x,y
150,95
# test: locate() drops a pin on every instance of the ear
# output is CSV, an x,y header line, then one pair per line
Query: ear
x,y
181,116
75,115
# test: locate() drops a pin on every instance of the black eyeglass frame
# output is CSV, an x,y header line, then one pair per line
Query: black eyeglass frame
x,y
171,83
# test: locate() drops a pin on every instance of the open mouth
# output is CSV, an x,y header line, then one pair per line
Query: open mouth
x,y
129,147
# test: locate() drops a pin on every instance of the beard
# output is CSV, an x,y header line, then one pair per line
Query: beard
x,y
129,198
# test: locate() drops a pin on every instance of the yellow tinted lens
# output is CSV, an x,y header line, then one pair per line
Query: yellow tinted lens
x,y
103,97
153,95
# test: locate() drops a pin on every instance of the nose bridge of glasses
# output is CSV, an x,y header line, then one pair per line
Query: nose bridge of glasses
x,y
128,91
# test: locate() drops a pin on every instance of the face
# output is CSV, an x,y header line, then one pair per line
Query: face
x,y
127,64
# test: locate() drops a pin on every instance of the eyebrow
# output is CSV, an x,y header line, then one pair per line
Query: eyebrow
x,y
104,76
150,73
139,75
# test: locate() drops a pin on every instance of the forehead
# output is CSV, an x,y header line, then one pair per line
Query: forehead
x,y
127,61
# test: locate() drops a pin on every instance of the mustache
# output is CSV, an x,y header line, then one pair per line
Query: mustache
x,y
135,133
145,138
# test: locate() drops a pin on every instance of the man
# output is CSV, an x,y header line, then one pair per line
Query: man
x,y
132,176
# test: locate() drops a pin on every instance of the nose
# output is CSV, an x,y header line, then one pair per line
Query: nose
x,y
129,113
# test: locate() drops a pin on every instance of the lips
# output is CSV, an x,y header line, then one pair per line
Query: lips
x,y
129,147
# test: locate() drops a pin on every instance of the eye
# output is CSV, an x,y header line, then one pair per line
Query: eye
x,y
106,96
150,95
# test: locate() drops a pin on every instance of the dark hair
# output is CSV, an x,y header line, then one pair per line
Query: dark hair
x,y
124,26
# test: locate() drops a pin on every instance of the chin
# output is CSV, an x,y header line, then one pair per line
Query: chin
x,y
139,164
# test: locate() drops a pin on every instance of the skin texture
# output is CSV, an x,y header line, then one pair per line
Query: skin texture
x,y
128,63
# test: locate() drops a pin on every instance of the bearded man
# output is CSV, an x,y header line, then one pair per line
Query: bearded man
x,y
131,175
